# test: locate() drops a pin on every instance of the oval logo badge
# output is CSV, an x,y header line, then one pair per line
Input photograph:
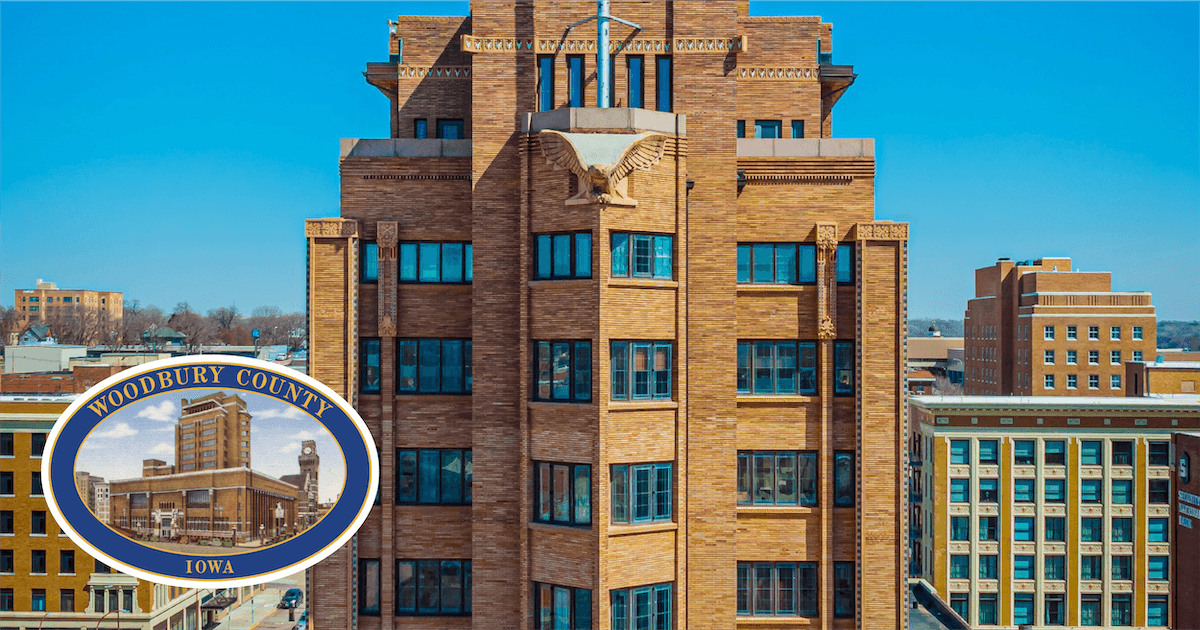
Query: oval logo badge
x,y
210,469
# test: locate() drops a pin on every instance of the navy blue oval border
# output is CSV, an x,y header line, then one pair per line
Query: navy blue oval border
x,y
245,564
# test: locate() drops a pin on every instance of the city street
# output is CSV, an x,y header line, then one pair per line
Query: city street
x,y
260,613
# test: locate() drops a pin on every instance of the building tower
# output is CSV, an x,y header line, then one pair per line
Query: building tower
x,y
623,364
213,433
310,468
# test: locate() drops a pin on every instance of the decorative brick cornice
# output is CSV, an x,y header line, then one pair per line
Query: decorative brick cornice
x,y
316,228
778,19
433,72
790,73
881,231
680,45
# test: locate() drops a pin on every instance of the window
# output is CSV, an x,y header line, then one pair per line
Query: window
x,y
768,129
139,500
1156,609
1122,567
960,451
642,256
433,366
564,255
451,129
37,444
782,588
797,128
1158,530
1093,357
1160,491
7,486
777,367
6,599
433,587
38,522
434,477
640,608
6,445
370,366
1072,381
1122,452
431,262
635,73
845,263
564,371
1055,491
212,442
1114,333
369,271
1024,490
1122,610
368,587
741,129
1023,528
988,452
1072,333
784,478
960,490
960,567
1048,357
1025,452
66,561
843,589
1090,611
66,600
843,479
1137,333
960,528
1056,567
1092,491
1048,381
1137,355
420,128
989,490
38,599
777,263
641,493
563,493
545,83
1091,452
1048,333
1091,567
100,567
987,609
7,563
961,603
1094,333
663,84
1072,357
1092,529
1160,453
640,370
843,368
1159,568
37,561
1023,608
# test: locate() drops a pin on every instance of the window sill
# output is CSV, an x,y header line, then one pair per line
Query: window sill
x,y
621,529
775,620
643,283
553,281
641,405
550,527
777,510
556,404
777,398
775,288
431,397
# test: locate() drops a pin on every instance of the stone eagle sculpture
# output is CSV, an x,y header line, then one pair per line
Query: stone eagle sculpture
x,y
602,161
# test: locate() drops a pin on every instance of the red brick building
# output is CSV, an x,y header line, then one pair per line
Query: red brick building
x,y
623,365
1186,550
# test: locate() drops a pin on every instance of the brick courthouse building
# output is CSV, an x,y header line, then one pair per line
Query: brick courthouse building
x,y
629,367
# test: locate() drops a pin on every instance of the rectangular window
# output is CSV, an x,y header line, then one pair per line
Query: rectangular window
x,y
1160,491
643,255
641,370
988,567
1056,452
844,485
451,129
1157,612
1072,381
1114,333
7,561
37,444
1048,381
768,129
1094,333
845,263
642,493
1093,357
797,128
37,599
1055,606
777,478
545,82
843,589
7,483
1055,491
1092,491
37,561
635,73
563,493
1023,608
1024,490
368,587
1114,381
420,128
1025,452
1048,357
433,366
1137,355
1048,333
989,490
1091,529
1160,453
960,567
741,129
433,477
1122,491
1122,567
1072,357
66,600
960,528
1158,530
38,522
6,522
562,256
434,262
433,587
370,366
1091,452
640,608
777,367
989,452
1072,333
1056,567
960,490
6,445
1122,609
1159,568
777,263
961,604
663,79
843,368
987,609
1023,529
960,451
369,269
1090,613
575,77
1137,333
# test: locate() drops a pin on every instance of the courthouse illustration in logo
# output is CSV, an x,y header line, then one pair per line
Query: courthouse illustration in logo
x,y
203,470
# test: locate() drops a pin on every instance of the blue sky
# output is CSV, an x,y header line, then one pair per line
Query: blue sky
x,y
173,150
145,430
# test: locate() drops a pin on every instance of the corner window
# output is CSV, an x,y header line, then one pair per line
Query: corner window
x,y
368,587
636,80
561,256
777,263
575,76
643,255
563,493
545,82
429,262
433,366
434,477
641,493
451,129
369,263
370,366
663,79
433,587
641,370
563,371
562,608
777,478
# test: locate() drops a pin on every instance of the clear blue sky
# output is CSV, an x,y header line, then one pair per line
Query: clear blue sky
x,y
173,150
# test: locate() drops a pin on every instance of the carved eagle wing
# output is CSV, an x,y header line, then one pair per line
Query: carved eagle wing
x,y
561,152
640,155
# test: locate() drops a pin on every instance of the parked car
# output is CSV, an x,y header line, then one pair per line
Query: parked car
x,y
291,599
302,624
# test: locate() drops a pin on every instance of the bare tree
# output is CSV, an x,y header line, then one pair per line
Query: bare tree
x,y
225,317
199,330
78,325
8,324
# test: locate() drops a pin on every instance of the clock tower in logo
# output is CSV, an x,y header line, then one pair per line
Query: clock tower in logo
x,y
310,466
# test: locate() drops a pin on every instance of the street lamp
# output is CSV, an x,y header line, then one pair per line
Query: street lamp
x,y
118,611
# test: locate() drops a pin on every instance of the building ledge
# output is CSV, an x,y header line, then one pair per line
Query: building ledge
x,y
609,119
806,147
644,283
648,528
406,147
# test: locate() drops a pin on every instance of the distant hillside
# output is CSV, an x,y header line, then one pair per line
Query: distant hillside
x,y
1184,335
920,327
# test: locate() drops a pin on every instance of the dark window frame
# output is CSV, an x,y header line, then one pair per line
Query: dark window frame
x,y
573,241
848,248
630,494
629,596
627,349
466,476
574,597
465,588
640,102
37,445
840,499
7,444
664,78
365,345
1158,453
797,123
747,364
767,123
444,123
465,367
803,249
363,608
420,128
805,592
573,381
468,266
747,472
368,251
576,81
630,257
572,519
544,88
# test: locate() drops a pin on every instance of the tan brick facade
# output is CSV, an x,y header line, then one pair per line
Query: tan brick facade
x,y
498,190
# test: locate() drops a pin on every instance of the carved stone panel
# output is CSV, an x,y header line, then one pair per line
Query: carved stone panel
x,y
387,236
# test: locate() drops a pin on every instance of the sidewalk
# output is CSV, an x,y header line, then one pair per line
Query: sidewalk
x,y
260,612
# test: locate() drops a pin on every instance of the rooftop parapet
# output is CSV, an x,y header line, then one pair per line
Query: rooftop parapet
x,y
406,147
612,119
805,147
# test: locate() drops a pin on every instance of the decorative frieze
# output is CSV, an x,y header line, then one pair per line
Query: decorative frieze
x,y
779,74
882,231
433,72
678,45
317,228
